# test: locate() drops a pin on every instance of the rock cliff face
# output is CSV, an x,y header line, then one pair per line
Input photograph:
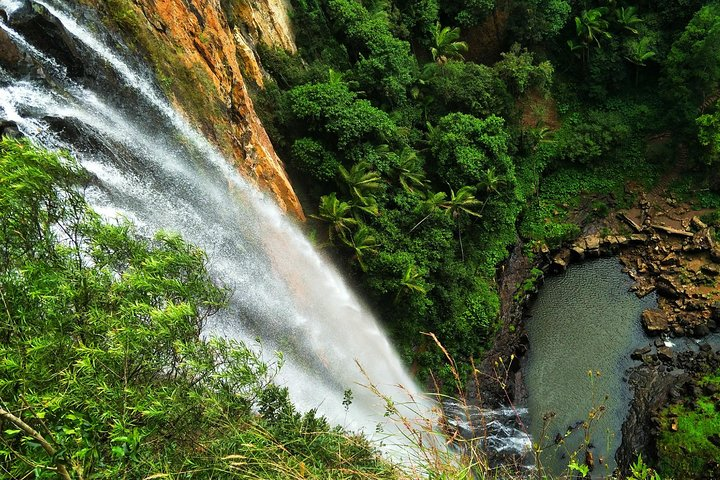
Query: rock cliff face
x,y
203,55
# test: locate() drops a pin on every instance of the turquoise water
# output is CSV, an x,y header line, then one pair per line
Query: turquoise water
x,y
582,321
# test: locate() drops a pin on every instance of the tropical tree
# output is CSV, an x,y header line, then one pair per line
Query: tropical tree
x,y
590,27
362,242
336,214
412,282
462,202
709,135
638,52
447,46
491,183
360,180
409,170
431,204
628,19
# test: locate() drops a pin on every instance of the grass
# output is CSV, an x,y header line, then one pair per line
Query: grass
x,y
438,451
569,190
690,439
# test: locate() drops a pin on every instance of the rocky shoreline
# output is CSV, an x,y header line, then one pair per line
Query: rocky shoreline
x,y
665,248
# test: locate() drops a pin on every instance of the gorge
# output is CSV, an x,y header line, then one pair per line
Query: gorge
x,y
448,157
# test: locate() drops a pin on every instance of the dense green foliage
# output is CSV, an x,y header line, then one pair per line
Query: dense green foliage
x,y
102,369
427,166
429,137
691,447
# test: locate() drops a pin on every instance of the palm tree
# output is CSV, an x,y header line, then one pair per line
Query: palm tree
x,y
638,52
360,180
447,46
409,170
491,182
464,202
431,204
627,18
590,27
412,282
362,242
335,213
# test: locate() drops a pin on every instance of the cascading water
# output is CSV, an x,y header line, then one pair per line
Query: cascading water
x,y
149,165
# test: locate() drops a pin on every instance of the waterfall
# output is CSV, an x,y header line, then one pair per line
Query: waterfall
x,y
149,165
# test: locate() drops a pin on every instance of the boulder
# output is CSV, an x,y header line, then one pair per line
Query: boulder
x,y
655,321
710,269
715,254
638,353
667,287
704,239
643,290
622,240
665,354
578,251
10,56
701,331
9,128
696,223
593,242
561,260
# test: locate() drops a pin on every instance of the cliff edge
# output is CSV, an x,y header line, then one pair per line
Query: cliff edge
x,y
204,58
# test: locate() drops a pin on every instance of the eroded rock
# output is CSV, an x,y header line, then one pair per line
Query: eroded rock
x,y
655,321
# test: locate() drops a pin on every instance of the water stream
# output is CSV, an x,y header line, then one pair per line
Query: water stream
x,y
151,166
582,329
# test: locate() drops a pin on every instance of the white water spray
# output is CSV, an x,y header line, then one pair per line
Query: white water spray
x,y
282,291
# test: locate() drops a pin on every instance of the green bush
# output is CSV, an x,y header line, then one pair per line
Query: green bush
x,y
102,354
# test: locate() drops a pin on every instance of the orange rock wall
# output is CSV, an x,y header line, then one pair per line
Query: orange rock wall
x,y
205,64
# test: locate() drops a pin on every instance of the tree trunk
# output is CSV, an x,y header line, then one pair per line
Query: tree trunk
x,y
31,432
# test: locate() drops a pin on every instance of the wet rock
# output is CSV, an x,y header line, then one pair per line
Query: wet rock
x,y
670,259
49,35
654,321
640,352
697,224
561,260
667,287
704,239
651,389
643,290
701,331
578,251
593,243
589,459
9,128
665,354
622,240
10,56
710,269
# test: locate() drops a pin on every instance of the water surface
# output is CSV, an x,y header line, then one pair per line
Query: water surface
x,y
583,321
